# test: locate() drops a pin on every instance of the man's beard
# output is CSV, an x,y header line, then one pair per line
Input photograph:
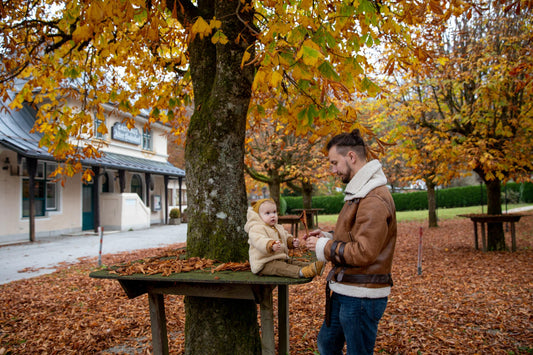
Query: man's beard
x,y
346,177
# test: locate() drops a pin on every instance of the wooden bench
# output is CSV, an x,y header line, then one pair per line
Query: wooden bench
x,y
293,220
310,212
484,219
224,284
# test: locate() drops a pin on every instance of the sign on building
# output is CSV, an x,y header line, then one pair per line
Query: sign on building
x,y
121,132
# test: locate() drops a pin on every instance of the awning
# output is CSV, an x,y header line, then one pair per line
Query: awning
x,y
120,161
15,127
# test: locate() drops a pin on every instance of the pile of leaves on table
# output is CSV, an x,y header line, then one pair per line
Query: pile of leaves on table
x,y
174,262
465,301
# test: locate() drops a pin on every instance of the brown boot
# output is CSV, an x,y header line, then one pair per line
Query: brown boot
x,y
313,269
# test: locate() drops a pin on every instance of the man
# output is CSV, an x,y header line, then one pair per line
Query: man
x,y
360,250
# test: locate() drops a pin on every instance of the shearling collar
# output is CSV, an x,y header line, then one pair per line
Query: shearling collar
x,y
365,180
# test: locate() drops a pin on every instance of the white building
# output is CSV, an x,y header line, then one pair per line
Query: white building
x,y
134,185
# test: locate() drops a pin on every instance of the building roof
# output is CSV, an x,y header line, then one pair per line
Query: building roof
x,y
15,127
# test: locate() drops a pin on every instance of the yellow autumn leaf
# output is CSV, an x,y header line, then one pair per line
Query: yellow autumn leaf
x,y
259,78
442,60
201,28
214,23
309,52
95,13
245,57
275,79
82,33
219,37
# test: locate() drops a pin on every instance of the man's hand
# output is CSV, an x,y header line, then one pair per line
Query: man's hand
x,y
310,243
311,239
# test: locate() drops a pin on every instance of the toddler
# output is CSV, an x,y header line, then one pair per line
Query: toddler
x,y
270,244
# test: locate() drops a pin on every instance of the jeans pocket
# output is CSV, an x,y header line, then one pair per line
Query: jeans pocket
x,y
375,307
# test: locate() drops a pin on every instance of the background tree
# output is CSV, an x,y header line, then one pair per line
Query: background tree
x,y
272,156
276,156
162,55
475,99
422,153
485,99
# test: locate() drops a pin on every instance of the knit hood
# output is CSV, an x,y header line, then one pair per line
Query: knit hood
x,y
253,219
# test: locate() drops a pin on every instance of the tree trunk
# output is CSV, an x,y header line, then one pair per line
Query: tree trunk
x,y
307,192
274,187
495,234
432,205
215,180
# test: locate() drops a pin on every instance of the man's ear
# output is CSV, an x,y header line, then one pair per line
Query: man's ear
x,y
352,156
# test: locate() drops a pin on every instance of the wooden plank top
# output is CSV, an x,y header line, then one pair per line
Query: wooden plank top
x,y
202,276
480,217
289,218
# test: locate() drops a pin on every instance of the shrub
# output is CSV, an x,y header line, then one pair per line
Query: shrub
x,y
410,201
174,213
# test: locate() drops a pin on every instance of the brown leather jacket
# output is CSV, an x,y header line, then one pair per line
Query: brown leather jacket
x,y
366,231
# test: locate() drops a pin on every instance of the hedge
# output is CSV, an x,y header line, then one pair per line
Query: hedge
x,y
409,201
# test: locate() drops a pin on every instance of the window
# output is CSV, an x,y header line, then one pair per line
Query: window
x,y
97,123
46,196
106,180
136,185
147,139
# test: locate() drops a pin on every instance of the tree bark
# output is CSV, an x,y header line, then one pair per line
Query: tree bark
x,y
214,160
432,205
495,234
274,187
307,193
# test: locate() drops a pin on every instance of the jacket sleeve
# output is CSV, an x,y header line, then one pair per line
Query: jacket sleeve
x,y
286,237
367,236
290,243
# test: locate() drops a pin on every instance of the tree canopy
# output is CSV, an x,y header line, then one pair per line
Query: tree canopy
x,y
136,55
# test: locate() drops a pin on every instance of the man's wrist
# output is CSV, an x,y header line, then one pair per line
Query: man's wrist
x,y
319,249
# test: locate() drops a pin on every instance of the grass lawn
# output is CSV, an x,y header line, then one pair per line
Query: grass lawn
x,y
442,213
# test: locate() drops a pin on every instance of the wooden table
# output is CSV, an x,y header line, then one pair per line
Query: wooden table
x,y
483,219
224,284
310,211
293,220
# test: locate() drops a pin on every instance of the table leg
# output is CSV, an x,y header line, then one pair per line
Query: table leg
x,y
475,236
283,318
268,343
513,237
483,237
159,323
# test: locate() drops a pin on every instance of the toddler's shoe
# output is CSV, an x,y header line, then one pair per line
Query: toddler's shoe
x,y
313,269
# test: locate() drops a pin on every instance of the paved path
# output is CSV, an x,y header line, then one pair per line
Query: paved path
x,y
43,256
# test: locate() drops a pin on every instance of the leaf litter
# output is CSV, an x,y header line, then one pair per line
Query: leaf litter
x,y
465,301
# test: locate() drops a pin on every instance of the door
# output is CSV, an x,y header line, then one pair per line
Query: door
x,y
87,207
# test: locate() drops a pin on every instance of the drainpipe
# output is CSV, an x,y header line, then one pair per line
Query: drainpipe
x,y
96,198
32,170
165,177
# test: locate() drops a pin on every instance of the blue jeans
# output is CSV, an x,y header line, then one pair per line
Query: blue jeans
x,y
354,321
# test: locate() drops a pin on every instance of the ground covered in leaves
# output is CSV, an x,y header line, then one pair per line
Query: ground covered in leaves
x,y
465,301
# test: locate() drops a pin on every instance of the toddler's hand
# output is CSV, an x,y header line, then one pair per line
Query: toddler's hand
x,y
296,242
276,246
